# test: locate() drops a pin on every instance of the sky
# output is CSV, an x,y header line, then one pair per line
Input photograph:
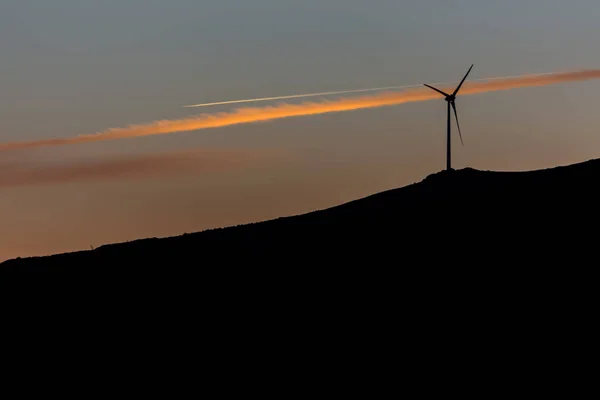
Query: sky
x,y
72,67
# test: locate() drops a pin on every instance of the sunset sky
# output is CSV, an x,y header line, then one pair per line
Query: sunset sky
x,y
72,67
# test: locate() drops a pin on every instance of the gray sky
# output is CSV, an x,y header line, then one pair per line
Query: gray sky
x,y
71,67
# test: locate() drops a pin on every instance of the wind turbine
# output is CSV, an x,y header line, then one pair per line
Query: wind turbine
x,y
451,100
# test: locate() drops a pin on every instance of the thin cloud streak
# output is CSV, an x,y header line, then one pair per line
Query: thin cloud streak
x,y
286,110
138,167
379,89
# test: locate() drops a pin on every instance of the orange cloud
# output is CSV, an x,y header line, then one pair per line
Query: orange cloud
x,y
262,114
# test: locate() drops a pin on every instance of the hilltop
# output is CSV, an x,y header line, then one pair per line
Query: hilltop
x,y
468,216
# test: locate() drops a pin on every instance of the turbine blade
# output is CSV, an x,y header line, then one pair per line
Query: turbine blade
x,y
437,90
457,124
463,80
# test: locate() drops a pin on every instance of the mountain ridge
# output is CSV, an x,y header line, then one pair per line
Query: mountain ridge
x,y
510,194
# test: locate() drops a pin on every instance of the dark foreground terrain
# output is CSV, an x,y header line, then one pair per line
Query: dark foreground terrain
x,y
450,220
467,278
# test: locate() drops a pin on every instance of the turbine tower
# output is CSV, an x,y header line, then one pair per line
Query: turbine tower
x,y
451,100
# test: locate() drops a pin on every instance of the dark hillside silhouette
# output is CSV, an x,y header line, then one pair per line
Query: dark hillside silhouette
x,y
450,220
476,267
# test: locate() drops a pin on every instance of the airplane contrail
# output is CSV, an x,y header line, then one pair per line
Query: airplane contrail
x,y
273,112
378,89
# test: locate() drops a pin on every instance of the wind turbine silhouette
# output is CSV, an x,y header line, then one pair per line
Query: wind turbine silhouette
x,y
451,99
